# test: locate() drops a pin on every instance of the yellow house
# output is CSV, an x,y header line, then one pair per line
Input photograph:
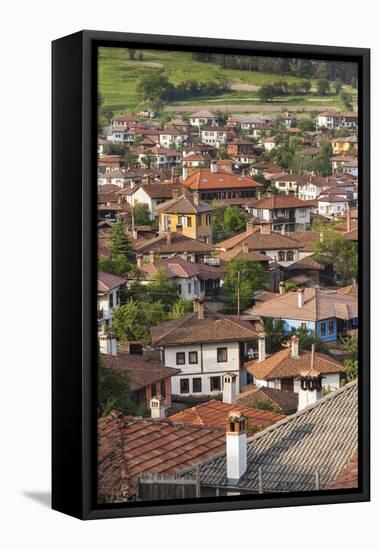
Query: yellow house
x,y
342,145
187,215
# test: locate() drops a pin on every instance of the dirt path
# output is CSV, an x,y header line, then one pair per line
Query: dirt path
x,y
243,87
151,64
241,108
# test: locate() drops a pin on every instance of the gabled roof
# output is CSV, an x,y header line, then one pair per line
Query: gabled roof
x,y
179,244
203,113
143,369
128,447
311,262
107,282
215,414
280,201
183,205
318,304
307,239
287,401
260,241
178,267
204,179
215,327
252,255
322,438
350,290
160,190
283,365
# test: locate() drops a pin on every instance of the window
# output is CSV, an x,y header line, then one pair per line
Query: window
x,y
302,212
180,358
196,385
189,288
323,328
184,385
331,327
215,383
180,289
153,390
192,357
208,219
163,388
303,326
289,255
189,221
281,256
222,355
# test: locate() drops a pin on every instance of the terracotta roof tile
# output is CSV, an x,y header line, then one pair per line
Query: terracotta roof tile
x,y
204,179
287,401
107,281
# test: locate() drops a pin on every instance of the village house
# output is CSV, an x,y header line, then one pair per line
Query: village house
x,y
311,270
241,151
313,186
148,378
108,298
282,370
269,143
205,346
334,202
254,465
267,169
213,413
203,118
334,120
339,162
282,211
275,247
342,145
160,157
327,313
121,134
109,162
289,120
171,137
212,184
216,136
152,195
124,120
112,177
193,280
186,214
196,161
249,122
288,183
174,243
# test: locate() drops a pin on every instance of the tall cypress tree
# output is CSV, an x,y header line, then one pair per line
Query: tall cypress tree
x,y
119,238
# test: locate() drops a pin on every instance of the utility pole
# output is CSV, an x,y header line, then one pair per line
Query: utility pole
x,y
238,293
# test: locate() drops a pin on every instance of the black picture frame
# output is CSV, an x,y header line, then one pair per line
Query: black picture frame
x,y
74,89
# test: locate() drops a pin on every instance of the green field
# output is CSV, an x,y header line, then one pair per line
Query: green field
x,y
119,76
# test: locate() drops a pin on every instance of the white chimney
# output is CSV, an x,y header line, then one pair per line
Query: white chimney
x,y
261,347
310,387
282,288
196,198
229,392
157,407
295,346
139,261
236,447
300,297
214,167
108,343
185,171
151,256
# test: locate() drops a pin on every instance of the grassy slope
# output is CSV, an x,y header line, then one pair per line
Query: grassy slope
x,y
118,78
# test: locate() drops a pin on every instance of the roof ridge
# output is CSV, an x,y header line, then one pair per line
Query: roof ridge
x,y
180,324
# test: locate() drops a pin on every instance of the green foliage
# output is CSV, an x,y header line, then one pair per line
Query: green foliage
x,y
307,125
252,277
130,159
350,346
117,264
341,252
289,287
162,289
275,334
154,86
338,85
234,219
351,368
181,308
141,214
119,238
266,406
346,100
307,338
323,87
112,392
129,322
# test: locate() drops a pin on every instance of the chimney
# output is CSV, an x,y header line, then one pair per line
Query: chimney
x,y
283,229
236,447
261,347
348,220
175,193
196,198
269,194
245,247
265,228
139,261
168,236
229,392
214,167
108,343
200,310
310,387
185,171
249,228
157,407
295,346
259,195
282,288
300,297
152,256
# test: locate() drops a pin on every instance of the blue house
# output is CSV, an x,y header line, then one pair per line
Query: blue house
x,y
329,313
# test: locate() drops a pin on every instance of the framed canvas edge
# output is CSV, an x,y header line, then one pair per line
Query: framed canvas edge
x,y
85,507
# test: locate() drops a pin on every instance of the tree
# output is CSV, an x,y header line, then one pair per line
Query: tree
x,y
130,159
117,264
162,289
341,252
338,85
148,159
129,323
156,86
234,219
266,92
307,338
141,214
350,346
119,238
131,53
181,308
275,334
246,276
346,100
323,87
112,390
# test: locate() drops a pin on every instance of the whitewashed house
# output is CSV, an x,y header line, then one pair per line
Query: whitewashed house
x,y
282,212
203,118
214,136
205,346
108,298
153,194
172,137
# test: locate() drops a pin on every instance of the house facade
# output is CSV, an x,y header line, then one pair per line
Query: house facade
x,y
108,299
283,211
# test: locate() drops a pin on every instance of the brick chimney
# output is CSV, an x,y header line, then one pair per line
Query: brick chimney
x,y
185,171
282,288
157,407
249,228
236,447
175,193
300,297
261,347
265,228
229,392
295,347
245,247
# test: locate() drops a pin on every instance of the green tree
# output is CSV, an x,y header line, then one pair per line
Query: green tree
x,y
181,308
307,338
341,252
156,86
266,92
119,238
350,346
338,85
129,323
275,334
162,289
130,159
323,87
113,386
234,219
245,275
141,214
117,264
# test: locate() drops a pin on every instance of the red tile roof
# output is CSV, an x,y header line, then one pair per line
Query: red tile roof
x,y
286,401
204,179
107,282
348,476
179,244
